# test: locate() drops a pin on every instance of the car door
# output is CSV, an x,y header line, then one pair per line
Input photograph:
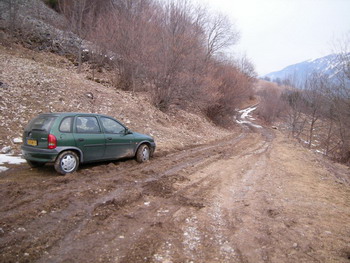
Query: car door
x,y
119,143
89,138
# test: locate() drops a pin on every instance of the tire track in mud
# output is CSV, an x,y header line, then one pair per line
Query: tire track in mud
x,y
156,185
72,200
217,222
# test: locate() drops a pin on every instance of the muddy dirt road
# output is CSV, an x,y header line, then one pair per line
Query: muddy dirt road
x,y
254,197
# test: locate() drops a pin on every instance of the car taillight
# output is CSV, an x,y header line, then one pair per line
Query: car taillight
x,y
52,141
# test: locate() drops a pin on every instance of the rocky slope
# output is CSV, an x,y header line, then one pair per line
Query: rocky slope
x,y
35,82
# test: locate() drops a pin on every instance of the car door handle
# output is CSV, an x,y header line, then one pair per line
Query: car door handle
x,y
81,140
109,138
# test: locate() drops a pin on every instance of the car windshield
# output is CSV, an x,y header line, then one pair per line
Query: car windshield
x,y
41,123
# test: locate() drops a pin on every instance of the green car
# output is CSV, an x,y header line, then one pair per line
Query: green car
x,y
68,139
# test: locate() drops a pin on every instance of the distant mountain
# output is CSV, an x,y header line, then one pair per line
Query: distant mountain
x,y
299,72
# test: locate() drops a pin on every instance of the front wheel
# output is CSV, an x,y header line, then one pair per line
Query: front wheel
x,y
67,162
143,153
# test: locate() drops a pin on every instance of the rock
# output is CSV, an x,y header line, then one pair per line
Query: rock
x,y
89,95
6,149
17,140
3,85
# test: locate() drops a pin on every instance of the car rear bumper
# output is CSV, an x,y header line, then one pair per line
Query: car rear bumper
x,y
39,155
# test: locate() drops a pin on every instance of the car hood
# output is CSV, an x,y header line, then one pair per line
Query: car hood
x,y
142,136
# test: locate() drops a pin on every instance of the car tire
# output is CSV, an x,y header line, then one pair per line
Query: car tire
x,y
67,162
34,164
143,153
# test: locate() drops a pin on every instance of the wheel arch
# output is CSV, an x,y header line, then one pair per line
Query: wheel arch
x,y
141,143
73,149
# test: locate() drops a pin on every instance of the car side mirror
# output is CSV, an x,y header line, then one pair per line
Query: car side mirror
x,y
127,131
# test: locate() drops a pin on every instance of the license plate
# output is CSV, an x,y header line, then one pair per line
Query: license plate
x,y
32,142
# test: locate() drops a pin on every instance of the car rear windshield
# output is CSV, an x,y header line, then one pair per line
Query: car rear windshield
x,y
41,123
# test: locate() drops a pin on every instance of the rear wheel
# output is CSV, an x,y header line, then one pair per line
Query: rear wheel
x,y
67,162
34,164
143,153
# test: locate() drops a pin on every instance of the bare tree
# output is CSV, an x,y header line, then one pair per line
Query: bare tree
x,y
129,27
177,52
220,34
80,15
314,87
247,68
340,95
294,112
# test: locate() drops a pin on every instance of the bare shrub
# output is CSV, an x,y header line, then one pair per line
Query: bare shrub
x,y
271,105
231,87
294,112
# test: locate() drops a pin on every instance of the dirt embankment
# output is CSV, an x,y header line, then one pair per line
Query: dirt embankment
x,y
36,82
252,197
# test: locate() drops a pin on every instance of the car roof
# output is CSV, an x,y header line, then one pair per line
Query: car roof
x,y
72,114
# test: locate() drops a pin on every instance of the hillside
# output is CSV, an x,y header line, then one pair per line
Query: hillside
x,y
36,82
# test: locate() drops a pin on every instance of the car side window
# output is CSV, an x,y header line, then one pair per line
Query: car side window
x,y
87,125
66,124
112,126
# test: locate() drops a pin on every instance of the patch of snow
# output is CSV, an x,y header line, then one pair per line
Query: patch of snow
x,y
303,141
5,158
3,169
249,123
321,152
10,159
245,114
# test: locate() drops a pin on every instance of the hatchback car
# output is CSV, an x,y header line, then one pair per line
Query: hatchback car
x,y
68,139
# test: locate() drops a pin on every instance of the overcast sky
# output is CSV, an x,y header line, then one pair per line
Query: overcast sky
x,y
278,33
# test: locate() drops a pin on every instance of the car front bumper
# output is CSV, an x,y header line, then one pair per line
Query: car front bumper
x,y
152,148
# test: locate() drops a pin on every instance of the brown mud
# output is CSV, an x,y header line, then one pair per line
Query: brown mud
x,y
252,197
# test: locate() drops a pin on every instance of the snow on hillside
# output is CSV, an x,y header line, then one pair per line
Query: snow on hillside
x,y
328,65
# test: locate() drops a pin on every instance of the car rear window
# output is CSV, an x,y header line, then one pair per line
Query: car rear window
x,y
41,123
